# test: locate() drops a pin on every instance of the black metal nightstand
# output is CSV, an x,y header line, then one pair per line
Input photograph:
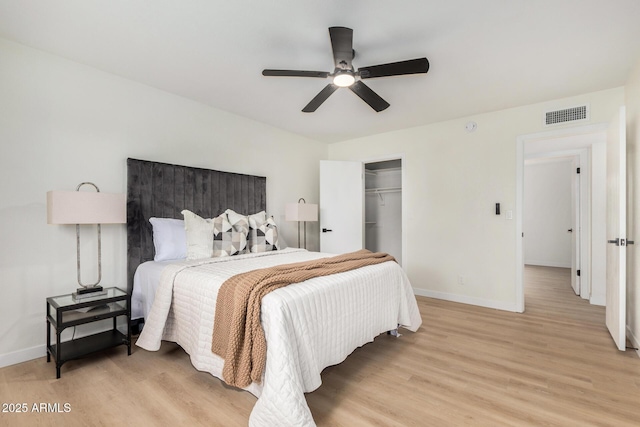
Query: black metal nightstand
x,y
63,311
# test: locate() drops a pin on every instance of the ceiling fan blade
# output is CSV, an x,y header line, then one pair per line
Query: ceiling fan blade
x,y
295,73
342,45
369,96
412,66
320,98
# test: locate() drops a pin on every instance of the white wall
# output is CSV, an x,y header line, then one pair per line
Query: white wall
x,y
62,123
453,180
547,212
632,97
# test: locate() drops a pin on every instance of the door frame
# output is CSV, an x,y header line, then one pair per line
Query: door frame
x,y
521,140
403,178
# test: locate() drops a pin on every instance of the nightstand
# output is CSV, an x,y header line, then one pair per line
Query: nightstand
x,y
63,312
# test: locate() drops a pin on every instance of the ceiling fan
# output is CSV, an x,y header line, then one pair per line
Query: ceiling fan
x,y
344,74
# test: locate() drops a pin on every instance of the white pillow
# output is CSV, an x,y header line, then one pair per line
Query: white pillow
x,y
199,232
169,239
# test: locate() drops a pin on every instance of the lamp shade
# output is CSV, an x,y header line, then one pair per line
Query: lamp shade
x,y
86,207
301,212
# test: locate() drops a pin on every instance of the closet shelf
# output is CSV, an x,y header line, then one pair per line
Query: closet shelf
x,y
382,190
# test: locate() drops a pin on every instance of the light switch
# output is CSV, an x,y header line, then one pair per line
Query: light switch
x,y
509,214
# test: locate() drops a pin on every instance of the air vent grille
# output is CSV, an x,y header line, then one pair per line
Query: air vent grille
x,y
572,114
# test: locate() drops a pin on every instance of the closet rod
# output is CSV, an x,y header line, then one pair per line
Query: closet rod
x,y
383,190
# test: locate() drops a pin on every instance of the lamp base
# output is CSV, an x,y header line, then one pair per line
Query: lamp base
x,y
89,290
86,293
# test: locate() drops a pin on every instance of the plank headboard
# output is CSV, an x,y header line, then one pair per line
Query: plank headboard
x,y
163,190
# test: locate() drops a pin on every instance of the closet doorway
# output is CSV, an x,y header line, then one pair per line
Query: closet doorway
x,y
383,207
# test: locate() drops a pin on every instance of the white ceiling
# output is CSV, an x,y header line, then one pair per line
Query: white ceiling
x,y
485,55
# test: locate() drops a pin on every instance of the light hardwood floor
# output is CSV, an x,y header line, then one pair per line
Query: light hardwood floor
x,y
553,365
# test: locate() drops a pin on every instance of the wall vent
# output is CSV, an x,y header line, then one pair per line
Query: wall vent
x,y
566,115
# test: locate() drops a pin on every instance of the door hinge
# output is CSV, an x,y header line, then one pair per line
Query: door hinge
x,y
578,170
578,273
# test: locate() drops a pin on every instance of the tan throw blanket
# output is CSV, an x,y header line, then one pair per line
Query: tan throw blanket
x,y
238,336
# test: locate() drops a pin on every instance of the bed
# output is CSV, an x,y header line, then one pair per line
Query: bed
x,y
308,326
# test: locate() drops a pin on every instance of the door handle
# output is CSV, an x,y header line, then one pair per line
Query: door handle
x,y
325,230
621,242
570,230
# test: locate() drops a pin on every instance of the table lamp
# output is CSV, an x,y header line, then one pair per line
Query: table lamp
x,y
86,207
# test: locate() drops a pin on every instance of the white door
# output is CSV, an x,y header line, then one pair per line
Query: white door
x,y
575,225
616,230
341,206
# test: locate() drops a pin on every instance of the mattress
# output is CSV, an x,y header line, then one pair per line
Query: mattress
x,y
308,325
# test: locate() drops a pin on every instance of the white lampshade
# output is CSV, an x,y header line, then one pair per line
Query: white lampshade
x,y
301,212
86,207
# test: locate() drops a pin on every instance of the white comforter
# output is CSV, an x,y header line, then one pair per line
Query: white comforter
x,y
308,326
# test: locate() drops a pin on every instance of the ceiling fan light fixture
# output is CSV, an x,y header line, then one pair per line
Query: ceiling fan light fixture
x,y
344,79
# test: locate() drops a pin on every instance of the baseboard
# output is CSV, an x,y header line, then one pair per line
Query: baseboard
x,y
20,356
634,341
498,305
546,264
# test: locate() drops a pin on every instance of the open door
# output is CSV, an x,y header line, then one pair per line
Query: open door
x,y
616,230
341,206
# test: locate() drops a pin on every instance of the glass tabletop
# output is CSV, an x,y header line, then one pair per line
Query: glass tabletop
x,y
67,300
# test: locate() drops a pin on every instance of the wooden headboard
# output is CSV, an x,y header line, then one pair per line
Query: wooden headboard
x,y
163,190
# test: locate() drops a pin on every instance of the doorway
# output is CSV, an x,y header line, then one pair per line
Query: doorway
x,y
589,144
552,215
344,197
383,207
